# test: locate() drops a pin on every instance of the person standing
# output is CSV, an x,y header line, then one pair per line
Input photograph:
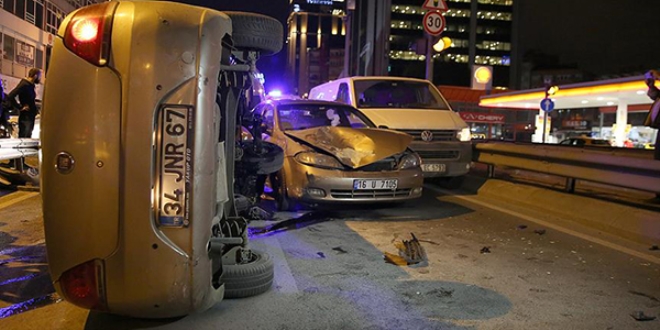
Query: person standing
x,y
653,119
3,112
27,96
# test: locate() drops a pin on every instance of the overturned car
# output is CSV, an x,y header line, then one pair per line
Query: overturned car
x,y
333,153
138,167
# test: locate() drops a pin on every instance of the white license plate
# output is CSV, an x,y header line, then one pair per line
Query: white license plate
x,y
375,184
176,163
434,167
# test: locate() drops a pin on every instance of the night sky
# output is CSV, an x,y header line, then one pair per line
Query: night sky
x,y
597,36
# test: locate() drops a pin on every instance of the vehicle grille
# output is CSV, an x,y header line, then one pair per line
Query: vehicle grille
x,y
438,154
348,194
438,135
387,164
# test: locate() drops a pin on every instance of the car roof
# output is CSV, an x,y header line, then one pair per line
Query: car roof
x,y
309,102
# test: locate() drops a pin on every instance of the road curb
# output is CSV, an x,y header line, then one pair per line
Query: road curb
x,y
628,222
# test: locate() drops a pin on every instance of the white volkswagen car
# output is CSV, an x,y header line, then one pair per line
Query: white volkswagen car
x,y
138,135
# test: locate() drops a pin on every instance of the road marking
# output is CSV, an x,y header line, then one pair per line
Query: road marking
x,y
284,281
17,197
586,237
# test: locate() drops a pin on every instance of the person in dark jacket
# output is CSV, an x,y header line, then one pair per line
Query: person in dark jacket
x,y
654,94
27,97
3,113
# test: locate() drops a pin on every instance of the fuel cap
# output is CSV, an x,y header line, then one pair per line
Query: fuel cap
x,y
64,163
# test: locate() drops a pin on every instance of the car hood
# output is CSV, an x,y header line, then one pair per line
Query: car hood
x,y
354,147
415,118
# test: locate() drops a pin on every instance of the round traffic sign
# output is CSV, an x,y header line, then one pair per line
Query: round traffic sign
x,y
434,23
547,105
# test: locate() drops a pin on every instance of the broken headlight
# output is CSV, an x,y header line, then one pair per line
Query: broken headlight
x,y
318,160
411,160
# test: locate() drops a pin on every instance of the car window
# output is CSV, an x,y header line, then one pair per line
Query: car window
x,y
296,117
398,94
342,94
268,119
565,142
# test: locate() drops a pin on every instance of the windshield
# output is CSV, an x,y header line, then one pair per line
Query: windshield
x,y
397,94
295,117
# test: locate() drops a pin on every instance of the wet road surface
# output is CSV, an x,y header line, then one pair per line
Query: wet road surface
x,y
330,274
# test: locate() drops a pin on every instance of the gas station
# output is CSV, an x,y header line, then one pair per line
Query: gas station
x,y
621,95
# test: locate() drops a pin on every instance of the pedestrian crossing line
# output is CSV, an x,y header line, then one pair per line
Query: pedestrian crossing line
x,y
17,197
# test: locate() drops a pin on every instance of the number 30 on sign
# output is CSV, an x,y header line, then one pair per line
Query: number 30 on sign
x,y
434,23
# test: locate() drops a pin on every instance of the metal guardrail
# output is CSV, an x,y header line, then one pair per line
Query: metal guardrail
x,y
623,167
18,148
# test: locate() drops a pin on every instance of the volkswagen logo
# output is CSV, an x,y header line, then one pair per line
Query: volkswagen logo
x,y
427,136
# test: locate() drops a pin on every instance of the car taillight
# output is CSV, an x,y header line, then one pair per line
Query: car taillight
x,y
88,32
83,285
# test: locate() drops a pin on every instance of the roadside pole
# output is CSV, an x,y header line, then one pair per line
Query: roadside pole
x,y
434,24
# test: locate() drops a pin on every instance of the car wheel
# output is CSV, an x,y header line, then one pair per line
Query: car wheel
x,y
279,190
454,182
250,279
269,160
256,32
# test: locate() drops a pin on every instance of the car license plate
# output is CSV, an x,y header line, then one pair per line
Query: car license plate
x,y
434,167
375,184
176,163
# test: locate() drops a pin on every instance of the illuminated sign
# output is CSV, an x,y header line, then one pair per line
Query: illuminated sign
x,y
482,77
320,2
477,117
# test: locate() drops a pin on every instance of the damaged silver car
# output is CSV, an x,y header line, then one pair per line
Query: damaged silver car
x,y
333,153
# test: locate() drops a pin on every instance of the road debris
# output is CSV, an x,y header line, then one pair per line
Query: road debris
x,y
321,254
522,227
339,249
640,316
410,253
540,231
485,249
654,247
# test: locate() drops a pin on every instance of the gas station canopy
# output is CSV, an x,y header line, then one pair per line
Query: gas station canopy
x,y
595,94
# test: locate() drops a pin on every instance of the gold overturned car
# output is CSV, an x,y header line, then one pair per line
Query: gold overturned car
x,y
333,153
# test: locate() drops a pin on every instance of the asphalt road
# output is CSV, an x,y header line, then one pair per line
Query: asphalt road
x,y
330,273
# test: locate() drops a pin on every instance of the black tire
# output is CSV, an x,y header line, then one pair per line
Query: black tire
x,y
269,160
251,279
256,32
279,190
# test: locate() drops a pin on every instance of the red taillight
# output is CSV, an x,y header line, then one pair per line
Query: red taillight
x,y
88,32
83,285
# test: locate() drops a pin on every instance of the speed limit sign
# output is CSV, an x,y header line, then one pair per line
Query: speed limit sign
x,y
434,23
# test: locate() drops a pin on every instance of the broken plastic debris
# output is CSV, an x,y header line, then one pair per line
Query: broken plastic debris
x,y
521,227
640,316
654,248
485,249
410,253
339,249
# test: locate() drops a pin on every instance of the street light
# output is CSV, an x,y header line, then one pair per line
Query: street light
x,y
440,45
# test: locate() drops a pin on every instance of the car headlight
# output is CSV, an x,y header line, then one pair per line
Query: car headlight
x,y
464,135
410,161
318,160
